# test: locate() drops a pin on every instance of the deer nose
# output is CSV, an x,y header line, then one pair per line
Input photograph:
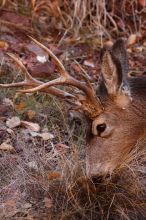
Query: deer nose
x,y
99,172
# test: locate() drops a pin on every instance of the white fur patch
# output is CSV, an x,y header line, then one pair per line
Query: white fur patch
x,y
122,100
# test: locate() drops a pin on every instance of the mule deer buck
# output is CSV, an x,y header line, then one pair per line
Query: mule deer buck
x,y
115,110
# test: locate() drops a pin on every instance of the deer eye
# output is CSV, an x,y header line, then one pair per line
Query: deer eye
x,y
100,128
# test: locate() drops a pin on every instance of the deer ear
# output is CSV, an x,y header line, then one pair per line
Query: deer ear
x,y
111,72
119,50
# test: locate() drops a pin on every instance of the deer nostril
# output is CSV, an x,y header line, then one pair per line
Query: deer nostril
x,y
100,128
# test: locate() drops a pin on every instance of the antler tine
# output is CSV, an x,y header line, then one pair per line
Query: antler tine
x,y
19,84
88,102
30,81
24,72
52,55
64,79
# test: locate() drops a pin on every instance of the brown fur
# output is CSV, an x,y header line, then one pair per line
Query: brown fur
x,y
124,115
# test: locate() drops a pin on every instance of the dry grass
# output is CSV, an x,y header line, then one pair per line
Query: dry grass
x,y
61,178
82,19
119,197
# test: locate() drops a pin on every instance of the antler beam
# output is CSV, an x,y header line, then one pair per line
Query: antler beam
x,y
88,103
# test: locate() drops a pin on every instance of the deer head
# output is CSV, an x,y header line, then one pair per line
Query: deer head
x,y
115,111
118,128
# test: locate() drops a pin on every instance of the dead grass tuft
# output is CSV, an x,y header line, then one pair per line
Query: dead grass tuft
x,y
81,19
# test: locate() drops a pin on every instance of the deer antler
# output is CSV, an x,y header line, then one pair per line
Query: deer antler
x,y
32,82
88,103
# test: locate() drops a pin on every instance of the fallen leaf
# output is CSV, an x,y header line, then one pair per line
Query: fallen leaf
x,y
7,147
89,63
108,43
13,122
20,106
132,39
4,45
46,136
54,175
31,114
30,125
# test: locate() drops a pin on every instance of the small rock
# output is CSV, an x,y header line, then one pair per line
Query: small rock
x,y
30,125
42,59
13,122
7,147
